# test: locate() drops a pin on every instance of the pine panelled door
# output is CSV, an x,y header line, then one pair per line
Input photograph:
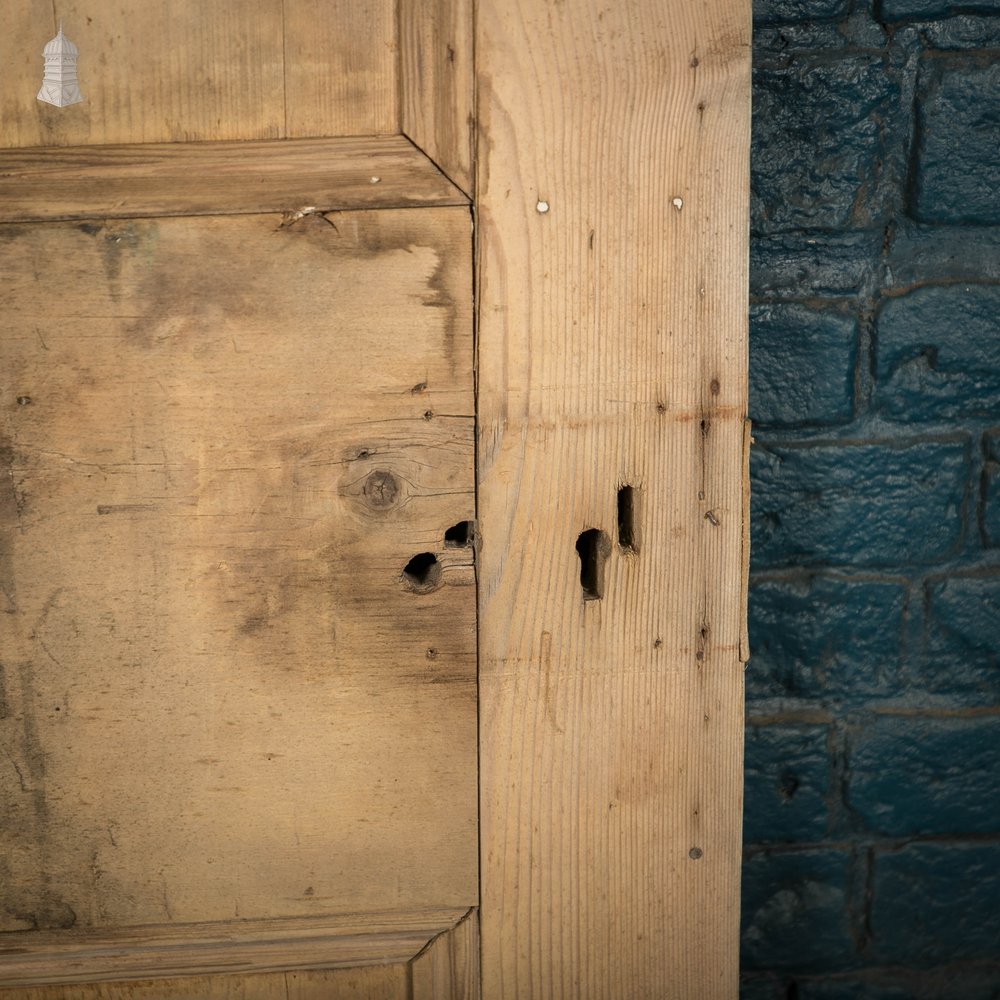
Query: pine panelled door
x,y
373,503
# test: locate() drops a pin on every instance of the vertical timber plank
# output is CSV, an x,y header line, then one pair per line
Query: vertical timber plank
x,y
612,183
436,78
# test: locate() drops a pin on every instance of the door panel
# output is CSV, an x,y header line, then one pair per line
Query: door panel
x,y
226,699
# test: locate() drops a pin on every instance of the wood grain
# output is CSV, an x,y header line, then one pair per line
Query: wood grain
x,y
612,208
223,440
436,83
374,982
63,957
340,67
185,71
295,176
449,964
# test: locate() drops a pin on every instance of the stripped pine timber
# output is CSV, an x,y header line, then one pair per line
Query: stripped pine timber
x,y
612,211
436,83
374,982
449,965
223,440
187,71
340,62
237,946
298,176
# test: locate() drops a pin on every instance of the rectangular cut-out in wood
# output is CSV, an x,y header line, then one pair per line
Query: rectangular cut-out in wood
x,y
222,439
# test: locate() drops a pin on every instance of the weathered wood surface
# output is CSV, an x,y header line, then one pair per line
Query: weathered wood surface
x,y
375,982
437,83
248,946
185,71
307,175
223,439
612,206
449,965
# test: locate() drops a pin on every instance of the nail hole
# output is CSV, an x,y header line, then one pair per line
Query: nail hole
x,y
459,536
695,853
542,207
432,653
422,572
428,414
627,518
24,401
594,548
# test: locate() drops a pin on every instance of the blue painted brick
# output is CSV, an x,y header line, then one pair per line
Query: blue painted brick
x,y
770,11
802,364
795,910
858,504
762,988
919,775
962,628
920,254
957,166
966,31
818,143
851,989
991,490
898,10
797,265
787,780
825,638
947,983
938,352
936,902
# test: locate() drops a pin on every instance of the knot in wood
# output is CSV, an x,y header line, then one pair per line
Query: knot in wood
x,y
381,489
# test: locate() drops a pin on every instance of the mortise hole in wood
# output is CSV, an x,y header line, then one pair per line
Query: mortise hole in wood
x,y
628,535
422,572
594,548
459,536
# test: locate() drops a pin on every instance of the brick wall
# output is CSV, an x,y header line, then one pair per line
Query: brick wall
x,y
872,824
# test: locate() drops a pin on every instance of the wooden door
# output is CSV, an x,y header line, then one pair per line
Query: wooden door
x,y
372,506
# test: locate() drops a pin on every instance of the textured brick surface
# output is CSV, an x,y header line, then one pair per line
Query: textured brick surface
x,y
962,655
990,513
896,10
920,254
787,783
768,11
817,161
938,351
874,683
792,265
936,903
911,775
870,505
958,169
824,637
795,910
803,364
